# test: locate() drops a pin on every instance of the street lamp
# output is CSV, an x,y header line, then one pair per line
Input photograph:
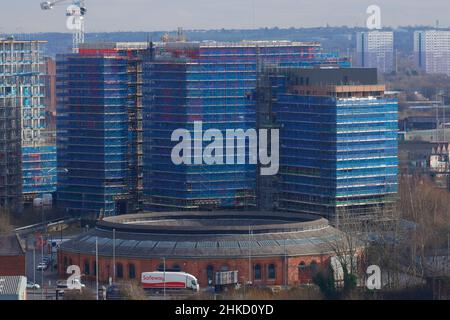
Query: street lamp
x,y
164,267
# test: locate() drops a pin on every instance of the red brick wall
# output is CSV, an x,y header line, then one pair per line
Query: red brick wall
x,y
198,267
12,265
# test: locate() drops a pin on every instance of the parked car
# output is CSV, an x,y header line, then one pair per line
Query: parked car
x,y
32,285
42,266
62,284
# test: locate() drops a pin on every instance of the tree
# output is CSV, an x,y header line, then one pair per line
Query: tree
x,y
324,279
132,291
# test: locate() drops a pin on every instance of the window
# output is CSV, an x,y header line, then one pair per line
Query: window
x,y
302,272
210,274
257,272
94,267
271,274
131,271
86,267
65,264
161,267
313,267
176,268
119,270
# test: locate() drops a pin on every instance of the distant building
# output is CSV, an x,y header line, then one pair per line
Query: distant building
x,y
375,49
13,288
439,162
99,125
419,123
432,51
12,256
338,142
23,172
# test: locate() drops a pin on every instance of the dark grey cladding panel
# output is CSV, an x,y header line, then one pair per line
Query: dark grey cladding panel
x,y
127,244
85,244
207,244
316,240
185,245
267,243
144,247
287,242
247,244
301,242
229,244
165,245
126,247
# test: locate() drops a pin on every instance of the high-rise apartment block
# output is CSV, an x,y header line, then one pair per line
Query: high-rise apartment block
x,y
432,51
338,142
27,157
120,103
215,84
99,129
375,49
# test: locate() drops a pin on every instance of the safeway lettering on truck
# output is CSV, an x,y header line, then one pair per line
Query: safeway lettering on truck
x,y
147,277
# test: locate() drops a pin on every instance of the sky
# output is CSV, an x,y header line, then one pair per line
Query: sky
x,y
17,16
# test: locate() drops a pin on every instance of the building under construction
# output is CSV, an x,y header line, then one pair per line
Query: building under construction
x,y
213,83
120,103
338,141
24,171
99,129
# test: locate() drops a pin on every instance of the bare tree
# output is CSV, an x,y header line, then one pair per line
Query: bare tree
x,y
132,291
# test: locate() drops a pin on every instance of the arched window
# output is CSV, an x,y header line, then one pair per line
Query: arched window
x,y
119,270
257,272
271,272
313,266
86,267
161,267
302,272
131,271
176,268
210,274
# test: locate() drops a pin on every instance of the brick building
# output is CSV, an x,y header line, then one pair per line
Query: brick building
x,y
12,256
265,248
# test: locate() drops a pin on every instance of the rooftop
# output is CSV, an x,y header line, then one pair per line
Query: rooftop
x,y
10,246
11,285
224,234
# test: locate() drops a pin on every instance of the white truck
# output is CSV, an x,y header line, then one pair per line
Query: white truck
x,y
169,280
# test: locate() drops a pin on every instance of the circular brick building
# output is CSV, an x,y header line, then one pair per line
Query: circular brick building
x,y
266,248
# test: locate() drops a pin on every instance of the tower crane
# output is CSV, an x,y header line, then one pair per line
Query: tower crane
x,y
75,22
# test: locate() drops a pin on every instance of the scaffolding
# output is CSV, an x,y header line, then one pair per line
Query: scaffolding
x,y
214,83
339,150
22,114
100,129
